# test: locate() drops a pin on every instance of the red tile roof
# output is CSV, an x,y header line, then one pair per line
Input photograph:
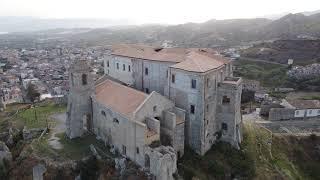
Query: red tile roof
x,y
189,59
197,62
305,104
119,98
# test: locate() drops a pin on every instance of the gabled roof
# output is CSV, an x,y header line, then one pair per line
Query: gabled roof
x,y
149,53
305,104
197,62
189,59
119,98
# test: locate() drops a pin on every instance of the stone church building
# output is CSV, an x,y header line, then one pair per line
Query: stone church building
x,y
151,101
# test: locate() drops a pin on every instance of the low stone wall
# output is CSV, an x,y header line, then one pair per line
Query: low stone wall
x,y
277,114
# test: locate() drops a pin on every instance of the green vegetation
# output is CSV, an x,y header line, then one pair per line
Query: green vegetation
x,y
270,75
72,149
311,98
39,116
305,83
262,156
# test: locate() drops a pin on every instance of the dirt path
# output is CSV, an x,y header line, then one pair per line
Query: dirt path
x,y
60,127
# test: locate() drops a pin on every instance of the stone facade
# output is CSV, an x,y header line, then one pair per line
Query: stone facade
x,y
229,119
128,120
79,115
192,89
173,96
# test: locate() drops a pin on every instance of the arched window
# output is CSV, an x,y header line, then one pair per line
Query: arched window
x,y
84,79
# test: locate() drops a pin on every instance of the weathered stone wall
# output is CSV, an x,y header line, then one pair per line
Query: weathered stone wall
x,y
153,106
79,100
184,96
228,110
161,162
153,124
276,114
212,78
172,129
128,133
124,75
157,78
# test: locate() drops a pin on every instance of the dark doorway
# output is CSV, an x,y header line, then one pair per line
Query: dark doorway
x,y
147,161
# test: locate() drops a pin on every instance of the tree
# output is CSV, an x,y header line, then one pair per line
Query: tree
x,y
32,92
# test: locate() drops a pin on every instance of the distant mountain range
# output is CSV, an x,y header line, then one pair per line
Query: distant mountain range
x,y
27,24
212,33
208,34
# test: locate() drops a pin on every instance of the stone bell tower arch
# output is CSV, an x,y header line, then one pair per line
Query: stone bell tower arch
x,y
79,111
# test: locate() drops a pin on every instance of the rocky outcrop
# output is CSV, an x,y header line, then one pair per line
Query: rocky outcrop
x,y
31,133
5,153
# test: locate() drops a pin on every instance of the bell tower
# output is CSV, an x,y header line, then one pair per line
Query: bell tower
x,y
79,110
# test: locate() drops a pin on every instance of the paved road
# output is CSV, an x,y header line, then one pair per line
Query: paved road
x,y
291,127
260,60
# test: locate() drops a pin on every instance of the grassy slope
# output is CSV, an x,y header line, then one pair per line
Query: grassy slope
x,y
37,117
284,158
74,149
270,75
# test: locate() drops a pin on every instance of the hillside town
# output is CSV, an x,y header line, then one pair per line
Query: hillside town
x,y
47,69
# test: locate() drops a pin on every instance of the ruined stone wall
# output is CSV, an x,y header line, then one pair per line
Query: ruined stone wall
x,y
161,162
125,74
228,114
125,132
153,124
276,114
172,129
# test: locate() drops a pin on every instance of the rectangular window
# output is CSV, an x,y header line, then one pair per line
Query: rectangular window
x,y
173,78
297,112
123,67
124,149
117,65
207,107
225,100
208,82
310,111
84,79
137,149
193,84
224,126
167,73
192,109
318,111
147,90
108,64
146,71
129,68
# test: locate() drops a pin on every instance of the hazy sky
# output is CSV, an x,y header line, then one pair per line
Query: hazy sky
x,y
154,11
